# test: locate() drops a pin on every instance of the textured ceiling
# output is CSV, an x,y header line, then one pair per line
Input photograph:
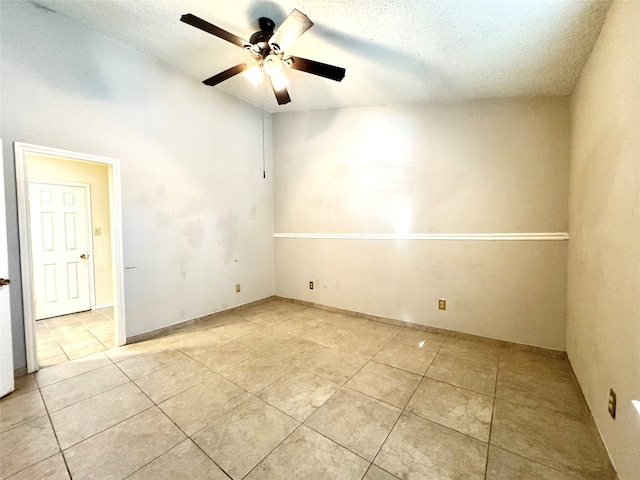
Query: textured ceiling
x,y
394,51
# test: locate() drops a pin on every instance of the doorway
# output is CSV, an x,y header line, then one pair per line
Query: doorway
x,y
71,253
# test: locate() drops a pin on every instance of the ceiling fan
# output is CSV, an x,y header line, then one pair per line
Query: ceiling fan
x,y
267,48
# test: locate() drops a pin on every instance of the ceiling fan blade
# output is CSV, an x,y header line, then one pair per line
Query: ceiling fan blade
x,y
228,73
293,26
213,30
281,95
317,68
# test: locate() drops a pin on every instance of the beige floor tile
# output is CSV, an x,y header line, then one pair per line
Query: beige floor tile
x,y
23,384
551,439
355,421
52,361
83,348
307,454
79,344
470,350
224,356
325,335
234,329
66,335
359,344
462,410
531,363
75,389
108,341
309,315
295,350
200,338
376,473
504,465
540,391
51,375
289,327
262,318
260,339
18,409
385,383
241,438
257,373
141,365
53,468
45,352
198,406
409,336
45,339
81,420
336,366
26,445
467,374
102,327
299,393
102,322
418,448
171,380
127,351
124,448
412,358
183,462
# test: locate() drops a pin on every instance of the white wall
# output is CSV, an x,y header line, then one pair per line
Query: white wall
x,y
42,167
197,214
603,323
494,166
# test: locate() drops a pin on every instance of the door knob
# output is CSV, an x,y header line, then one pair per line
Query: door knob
x,y
83,256
4,281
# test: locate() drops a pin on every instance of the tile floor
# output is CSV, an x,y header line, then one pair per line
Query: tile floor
x,y
68,337
281,391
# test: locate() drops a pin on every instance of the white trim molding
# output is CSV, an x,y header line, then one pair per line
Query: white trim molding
x,y
563,236
22,179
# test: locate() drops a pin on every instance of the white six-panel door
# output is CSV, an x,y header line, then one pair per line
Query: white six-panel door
x,y
59,238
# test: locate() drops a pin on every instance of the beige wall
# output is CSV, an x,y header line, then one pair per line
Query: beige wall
x,y
97,176
493,166
603,323
197,214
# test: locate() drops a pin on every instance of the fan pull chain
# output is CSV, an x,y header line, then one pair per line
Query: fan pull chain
x,y
264,168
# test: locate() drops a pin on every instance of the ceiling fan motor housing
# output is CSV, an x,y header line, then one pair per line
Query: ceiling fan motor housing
x,y
261,38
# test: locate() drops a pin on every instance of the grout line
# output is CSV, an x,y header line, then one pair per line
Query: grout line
x,y
60,451
493,409
570,474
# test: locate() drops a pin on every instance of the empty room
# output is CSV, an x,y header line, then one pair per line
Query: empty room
x,y
368,240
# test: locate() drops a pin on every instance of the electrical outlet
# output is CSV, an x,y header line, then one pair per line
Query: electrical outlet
x,y
310,285
442,304
612,404
238,288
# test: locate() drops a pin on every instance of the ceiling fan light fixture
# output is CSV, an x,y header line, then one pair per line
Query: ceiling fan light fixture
x,y
279,80
272,65
254,75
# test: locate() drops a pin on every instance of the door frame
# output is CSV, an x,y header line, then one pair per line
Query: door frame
x,y
88,232
24,230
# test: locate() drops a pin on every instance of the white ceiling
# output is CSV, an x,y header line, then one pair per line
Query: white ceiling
x,y
394,51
